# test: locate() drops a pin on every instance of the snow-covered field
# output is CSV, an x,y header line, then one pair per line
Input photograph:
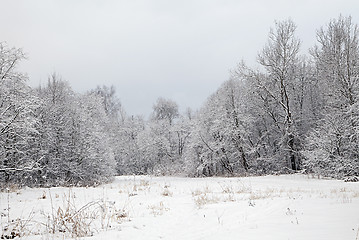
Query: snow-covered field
x,y
144,207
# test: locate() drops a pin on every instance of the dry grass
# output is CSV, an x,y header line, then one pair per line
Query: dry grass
x,y
158,209
43,196
69,220
83,221
198,192
237,191
9,188
144,183
136,187
227,189
167,193
204,199
18,227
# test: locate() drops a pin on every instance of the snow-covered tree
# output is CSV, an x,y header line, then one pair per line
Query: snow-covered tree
x,y
111,104
129,157
218,142
333,145
279,58
56,130
94,159
117,125
18,120
74,137
165,109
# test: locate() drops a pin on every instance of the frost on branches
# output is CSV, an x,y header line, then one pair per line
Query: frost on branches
x,y
292,112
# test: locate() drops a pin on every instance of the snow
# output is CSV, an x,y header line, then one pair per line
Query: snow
x,y
145,207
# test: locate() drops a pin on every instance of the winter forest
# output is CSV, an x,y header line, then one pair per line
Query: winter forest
x,y
296,110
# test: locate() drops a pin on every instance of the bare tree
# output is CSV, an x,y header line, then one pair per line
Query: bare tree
x,y
337,61
165,109
111,103
279,57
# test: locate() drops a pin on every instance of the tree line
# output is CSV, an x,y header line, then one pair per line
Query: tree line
x,y
291,112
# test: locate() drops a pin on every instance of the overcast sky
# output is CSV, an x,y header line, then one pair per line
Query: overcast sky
x,y
182,50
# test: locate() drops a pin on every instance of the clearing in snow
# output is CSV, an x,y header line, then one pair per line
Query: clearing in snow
x,y
145,207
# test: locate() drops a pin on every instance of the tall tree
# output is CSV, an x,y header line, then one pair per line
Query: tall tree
x,y
117,125
337,63
333,146
18,119
219,138
279,58
111,104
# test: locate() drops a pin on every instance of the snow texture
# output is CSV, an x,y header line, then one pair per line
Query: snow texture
x,y
145,207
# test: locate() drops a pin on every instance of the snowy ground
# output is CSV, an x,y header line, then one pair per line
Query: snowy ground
x,y
270,207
